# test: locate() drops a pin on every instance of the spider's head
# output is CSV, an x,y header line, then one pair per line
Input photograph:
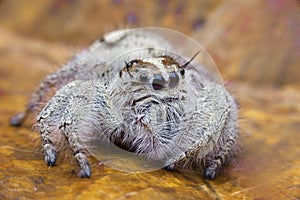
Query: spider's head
x,y
150,95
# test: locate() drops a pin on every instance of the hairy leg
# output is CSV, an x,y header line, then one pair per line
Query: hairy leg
x,y
222,156
223,153
226,147
50,81
48,124
209,140
72,133
69,126
86,117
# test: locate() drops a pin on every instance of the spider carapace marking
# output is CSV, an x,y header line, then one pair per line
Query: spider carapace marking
x,y
133,88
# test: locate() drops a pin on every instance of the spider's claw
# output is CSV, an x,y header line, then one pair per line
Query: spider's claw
x,y
18,119
210,173
85,172
170,167
50,154
84,166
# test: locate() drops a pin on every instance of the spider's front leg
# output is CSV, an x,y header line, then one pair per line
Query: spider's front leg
x,y
212,131
226,117
226,146
48,123
85,114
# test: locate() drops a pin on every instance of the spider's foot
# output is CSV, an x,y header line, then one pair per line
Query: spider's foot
x,y
170,167
211,172
50,154
18,119
84,166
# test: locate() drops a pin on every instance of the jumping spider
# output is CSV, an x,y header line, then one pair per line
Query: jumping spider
x,y
133,89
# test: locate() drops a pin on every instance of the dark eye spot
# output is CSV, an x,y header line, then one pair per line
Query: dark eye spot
x,y
143,77
158,82
173,79
182,72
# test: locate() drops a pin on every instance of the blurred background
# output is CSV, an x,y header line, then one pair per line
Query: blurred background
x,y
255,44
254,41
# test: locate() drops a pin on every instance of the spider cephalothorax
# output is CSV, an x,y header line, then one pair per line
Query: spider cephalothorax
x,y
134,89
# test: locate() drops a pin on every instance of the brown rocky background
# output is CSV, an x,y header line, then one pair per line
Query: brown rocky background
x,y
256,45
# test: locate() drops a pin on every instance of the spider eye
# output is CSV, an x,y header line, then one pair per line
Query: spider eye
x,y
158,82
143,77
182,72
173,79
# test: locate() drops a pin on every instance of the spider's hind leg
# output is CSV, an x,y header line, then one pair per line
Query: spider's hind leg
x,y
76,69
50,81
